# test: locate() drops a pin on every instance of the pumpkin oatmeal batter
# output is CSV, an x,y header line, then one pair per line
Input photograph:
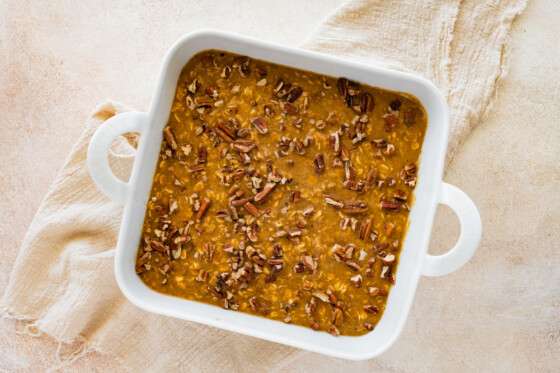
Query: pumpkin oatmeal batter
x,y
282,193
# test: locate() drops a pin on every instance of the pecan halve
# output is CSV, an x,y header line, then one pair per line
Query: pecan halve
x,y
371,309
365,229
355,206
390,205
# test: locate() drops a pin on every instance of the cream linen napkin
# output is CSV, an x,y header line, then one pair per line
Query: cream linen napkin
x,y
63,281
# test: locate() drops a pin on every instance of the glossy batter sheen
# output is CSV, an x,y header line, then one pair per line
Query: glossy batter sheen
x,y
282,193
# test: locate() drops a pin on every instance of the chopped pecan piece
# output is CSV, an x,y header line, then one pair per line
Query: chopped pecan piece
x,y
284,90
204,206
158,246
202,154
333,200
389,227
366,104
313,324
226,72
268,111
278,86
409,116
299,146
379,143
308,211
288,108
196,167
295,196
260,125
321,296
401,195
369,326
194,86
202,276
410,168
212,91
309,262
395,105
170,138
294,94
173,205
299,268
260,197
356,280
252,232
334,331
319,164
310,306
203,101
371,178
410,181
337,162
353,265
222,130
337,316
371,309
342,87
243,146
251,209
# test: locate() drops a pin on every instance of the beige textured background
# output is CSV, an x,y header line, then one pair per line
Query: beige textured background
x,y
500,313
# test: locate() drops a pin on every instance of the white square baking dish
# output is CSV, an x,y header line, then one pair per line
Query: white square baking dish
x,y
414,260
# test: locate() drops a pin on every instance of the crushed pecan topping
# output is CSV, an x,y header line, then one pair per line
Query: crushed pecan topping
x,y
281,193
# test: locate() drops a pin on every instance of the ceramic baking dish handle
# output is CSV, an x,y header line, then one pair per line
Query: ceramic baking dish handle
x,y
471,231
98,150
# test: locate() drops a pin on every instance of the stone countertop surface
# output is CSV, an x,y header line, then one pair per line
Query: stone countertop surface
x,y
501,312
